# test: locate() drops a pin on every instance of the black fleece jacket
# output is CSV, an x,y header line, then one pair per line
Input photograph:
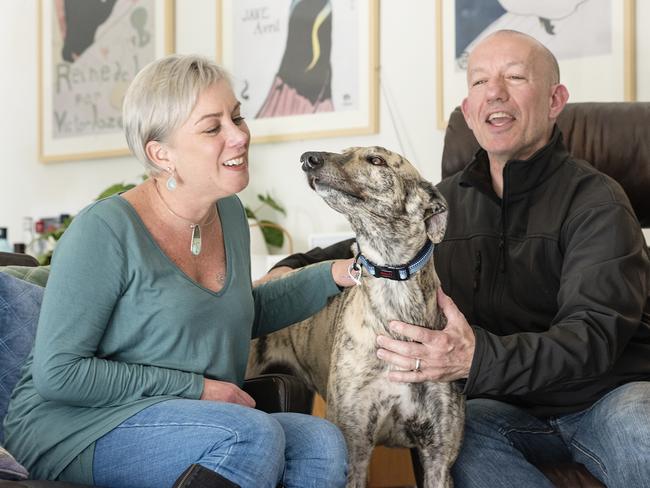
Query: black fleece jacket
x,y
554,278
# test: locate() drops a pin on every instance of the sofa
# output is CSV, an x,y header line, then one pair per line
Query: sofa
x,y
615,138
21,290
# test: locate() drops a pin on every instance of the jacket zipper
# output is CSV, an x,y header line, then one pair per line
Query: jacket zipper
x,y
503,241
502,253
476,282
500,270
477,270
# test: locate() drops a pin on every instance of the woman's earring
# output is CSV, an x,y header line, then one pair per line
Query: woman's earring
x,y
171,181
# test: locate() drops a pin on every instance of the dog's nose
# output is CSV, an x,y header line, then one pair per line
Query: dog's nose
x,y
311,160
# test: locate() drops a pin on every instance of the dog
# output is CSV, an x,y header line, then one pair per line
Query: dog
x,y
397,217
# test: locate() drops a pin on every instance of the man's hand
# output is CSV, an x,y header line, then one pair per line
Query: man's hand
x,y
445,355
274,273
222,391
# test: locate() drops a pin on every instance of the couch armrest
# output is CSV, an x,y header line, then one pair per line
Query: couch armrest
x,y
12,258
279,393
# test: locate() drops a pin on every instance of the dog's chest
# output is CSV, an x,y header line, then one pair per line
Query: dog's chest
x,y
359,380
366,314
411,301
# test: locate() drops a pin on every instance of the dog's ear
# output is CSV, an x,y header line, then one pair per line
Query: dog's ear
x,y
435,211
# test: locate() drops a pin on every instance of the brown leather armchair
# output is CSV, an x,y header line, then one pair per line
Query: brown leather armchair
x,y
615,138
274,392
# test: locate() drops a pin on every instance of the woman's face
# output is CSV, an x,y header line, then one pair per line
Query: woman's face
x,y
210,150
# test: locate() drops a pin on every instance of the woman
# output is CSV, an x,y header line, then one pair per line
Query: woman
x,y
143,336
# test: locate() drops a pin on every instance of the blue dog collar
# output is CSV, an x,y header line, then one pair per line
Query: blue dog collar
x,y
398,273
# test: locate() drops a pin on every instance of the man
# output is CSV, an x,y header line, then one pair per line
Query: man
x,y
544,257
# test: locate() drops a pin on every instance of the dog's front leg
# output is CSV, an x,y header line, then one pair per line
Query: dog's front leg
x,y
436,467
344,409
359,449
439,431
359,461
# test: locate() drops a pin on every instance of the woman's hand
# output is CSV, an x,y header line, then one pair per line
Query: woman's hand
x,y
222,391
341,273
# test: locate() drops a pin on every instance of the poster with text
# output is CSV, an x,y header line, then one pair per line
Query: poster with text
x,y
302,68
90,50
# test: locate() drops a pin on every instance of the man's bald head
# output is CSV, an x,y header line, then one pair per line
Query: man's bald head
x,y
548,59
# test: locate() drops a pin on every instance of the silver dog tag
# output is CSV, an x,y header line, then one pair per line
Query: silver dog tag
x,y
354,272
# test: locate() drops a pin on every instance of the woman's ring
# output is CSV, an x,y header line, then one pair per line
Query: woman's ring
x,y
417,365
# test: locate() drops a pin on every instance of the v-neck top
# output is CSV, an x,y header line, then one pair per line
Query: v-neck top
x,y
122,327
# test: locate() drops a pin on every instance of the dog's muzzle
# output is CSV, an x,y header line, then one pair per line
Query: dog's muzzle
x,y
312,160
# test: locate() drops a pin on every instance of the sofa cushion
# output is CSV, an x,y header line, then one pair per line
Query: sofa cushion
x,y
10,469
37,275
20,304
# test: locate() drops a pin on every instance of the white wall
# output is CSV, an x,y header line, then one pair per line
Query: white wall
x,y
407,118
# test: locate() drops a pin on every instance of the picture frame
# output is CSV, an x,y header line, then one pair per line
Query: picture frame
x,y
88,53
592,40
310,71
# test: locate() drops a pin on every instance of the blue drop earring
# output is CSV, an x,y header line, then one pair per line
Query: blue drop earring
x,y
171,181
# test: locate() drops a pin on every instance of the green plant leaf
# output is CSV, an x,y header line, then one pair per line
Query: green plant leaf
x,y
268,200
272,235
116,188
249,213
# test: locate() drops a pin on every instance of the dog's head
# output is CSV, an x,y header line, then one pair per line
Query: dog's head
x,y
374,186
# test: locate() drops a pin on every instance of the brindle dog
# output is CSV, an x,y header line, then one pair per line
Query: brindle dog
x,y
394,213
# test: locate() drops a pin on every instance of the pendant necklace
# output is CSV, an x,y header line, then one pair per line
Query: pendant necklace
x,y
195,241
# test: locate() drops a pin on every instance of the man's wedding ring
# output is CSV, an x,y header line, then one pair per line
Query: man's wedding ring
x,y
417,365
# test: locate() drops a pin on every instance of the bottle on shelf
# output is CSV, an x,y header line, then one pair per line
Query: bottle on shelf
x,y
4,242
38,245
28,234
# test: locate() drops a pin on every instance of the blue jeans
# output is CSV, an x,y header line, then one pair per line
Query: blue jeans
x,y
244,445
611,438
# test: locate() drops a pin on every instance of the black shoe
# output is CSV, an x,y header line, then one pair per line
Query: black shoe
x,y
196,476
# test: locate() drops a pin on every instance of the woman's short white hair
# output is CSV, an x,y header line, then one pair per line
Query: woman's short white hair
x,y
162,96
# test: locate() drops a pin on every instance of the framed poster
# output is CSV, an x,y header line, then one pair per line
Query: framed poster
x,y
89,51
593,41
302,68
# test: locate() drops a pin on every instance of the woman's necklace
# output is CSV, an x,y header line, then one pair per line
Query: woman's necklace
x,y
195,241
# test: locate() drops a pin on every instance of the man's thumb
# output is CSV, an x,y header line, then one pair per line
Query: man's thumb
x,y
445,303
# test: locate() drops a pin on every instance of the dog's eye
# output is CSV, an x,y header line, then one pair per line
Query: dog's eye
x,y
377,160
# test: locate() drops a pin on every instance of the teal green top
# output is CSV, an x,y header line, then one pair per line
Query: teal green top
x,y
122,327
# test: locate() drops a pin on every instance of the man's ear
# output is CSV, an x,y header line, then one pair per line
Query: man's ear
x,y
559,98
464,108
158,154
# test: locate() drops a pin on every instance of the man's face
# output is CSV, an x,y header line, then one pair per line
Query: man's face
x,y
512,103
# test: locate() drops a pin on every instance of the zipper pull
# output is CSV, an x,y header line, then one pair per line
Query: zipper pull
x,y
502,252
477,270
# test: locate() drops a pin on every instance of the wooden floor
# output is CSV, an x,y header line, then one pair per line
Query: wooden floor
x,y
389,468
